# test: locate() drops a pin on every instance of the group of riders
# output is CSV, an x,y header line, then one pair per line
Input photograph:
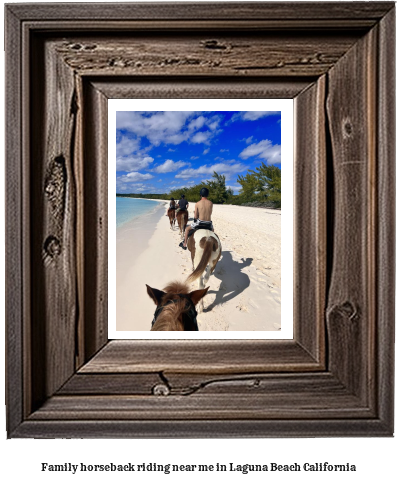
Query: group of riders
x,y
202,214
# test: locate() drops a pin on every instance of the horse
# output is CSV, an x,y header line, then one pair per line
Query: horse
x,y
182,219
172,217
205,249
175,307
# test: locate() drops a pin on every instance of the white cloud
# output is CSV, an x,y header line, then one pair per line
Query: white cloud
x,y
248,140
133,177
168,127
214,122
197,123
133,163
235,189
265,150
143,188
226,161
129,157
187,184
214,125
126,146
132,187
169,166
256,115
206,151
158,127
121,187
201,137
221,168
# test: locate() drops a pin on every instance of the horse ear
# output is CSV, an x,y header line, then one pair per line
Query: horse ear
x,y
155,294
196,296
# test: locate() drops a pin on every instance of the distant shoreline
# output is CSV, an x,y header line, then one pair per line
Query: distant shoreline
x,y
128,211
245,205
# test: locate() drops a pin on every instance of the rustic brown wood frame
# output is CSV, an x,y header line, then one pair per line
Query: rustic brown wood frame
x,y
64,378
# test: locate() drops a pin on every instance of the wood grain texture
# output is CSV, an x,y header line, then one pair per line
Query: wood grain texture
x,y
197,87
15,235
185,384
54,269
200,356
192,428
310,200
262,356
119,26
310,338
208,11
77,156
111,384
385,222
351,309
208,407
95,221
98,396
242,55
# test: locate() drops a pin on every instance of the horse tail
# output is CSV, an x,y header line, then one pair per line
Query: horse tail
x,y
182,219
209,247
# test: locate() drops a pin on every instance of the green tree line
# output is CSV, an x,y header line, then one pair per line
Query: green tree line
x,y
262,185
259,186
218,193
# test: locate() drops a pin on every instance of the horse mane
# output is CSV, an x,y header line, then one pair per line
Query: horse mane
x,y
168,319
176,287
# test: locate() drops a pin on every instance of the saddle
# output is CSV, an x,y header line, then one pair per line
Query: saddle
x,y
201,226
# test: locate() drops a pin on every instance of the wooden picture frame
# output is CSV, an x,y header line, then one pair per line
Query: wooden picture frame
x,y
335,378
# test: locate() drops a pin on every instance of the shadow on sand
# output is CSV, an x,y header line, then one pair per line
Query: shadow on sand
x,y
233,281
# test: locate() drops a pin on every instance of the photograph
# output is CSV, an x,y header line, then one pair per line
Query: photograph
x,y
198,220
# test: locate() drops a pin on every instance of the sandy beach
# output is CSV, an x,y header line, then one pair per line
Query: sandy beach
x,y
245,289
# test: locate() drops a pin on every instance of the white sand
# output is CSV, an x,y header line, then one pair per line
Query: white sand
x,y
244,291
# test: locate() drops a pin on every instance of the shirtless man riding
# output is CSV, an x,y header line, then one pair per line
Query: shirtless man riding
x,y
202,216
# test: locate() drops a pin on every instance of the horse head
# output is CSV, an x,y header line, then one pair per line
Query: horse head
x,y
175,307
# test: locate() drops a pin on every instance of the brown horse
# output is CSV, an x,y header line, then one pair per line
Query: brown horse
x,y
172,217
175,307
182,219
206,249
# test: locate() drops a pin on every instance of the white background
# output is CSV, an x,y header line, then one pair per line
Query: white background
x,y
376,459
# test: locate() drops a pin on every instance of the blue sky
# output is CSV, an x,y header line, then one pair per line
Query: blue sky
x,y
160,151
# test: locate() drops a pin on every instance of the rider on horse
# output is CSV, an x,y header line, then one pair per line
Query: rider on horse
x,y
202,217
182,204
172,205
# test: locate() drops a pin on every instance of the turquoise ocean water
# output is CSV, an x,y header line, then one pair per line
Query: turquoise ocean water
x,y
129,208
